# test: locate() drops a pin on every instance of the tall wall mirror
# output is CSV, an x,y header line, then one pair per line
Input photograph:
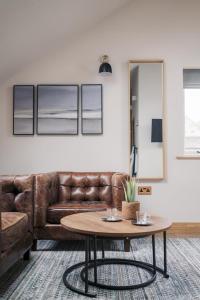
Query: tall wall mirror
x,y
146,120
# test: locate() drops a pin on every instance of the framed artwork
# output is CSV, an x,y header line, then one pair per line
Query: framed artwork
x,y
91,108
23,110
57,109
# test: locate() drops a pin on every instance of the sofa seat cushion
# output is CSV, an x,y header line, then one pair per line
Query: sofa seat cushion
x,y
57,211
14,226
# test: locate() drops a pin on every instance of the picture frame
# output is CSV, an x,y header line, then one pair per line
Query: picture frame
x,y
91,109
23,109
57,109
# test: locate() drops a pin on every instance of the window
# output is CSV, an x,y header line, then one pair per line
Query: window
x,y
191,85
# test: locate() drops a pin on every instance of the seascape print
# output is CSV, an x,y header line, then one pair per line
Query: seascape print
x,y
23,110
92,109
57,109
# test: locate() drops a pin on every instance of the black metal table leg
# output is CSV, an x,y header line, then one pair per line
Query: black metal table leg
x,y
87,242
95,259
86,266
102,248
154,253
89,249
165,254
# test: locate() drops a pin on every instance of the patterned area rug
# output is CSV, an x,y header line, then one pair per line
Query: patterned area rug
x,y
41,277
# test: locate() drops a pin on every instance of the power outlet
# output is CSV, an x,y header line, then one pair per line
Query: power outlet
x,y
144,190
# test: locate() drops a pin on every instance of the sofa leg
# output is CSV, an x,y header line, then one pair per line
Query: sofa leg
x,y
34,246
26,255
127,245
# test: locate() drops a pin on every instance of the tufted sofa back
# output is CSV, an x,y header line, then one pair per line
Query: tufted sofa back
x,y
85,187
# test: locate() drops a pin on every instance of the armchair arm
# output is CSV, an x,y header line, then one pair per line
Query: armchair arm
x,y
7,202
0,234
24,203
24,197
7,193
45,193
117,189
16,194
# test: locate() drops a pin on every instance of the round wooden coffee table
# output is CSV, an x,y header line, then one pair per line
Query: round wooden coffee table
x,y
93,227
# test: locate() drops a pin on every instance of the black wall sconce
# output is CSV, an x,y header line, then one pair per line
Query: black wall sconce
x,y
156,131
105,68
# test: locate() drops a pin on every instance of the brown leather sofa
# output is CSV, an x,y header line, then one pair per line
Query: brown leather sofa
x,y
16,219
64,193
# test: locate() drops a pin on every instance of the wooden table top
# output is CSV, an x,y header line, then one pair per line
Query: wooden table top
x,y
91,224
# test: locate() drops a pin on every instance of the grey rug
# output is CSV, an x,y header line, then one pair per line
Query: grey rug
x,y
41,277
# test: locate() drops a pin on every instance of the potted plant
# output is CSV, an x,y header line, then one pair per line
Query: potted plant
x,y
130,205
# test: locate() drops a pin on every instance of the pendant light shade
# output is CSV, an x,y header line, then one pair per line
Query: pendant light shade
x,y
105,68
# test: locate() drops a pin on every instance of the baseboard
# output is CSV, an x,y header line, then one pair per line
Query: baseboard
x,y
192,229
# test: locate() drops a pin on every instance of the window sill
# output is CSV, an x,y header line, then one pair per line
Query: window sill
x,y
188,156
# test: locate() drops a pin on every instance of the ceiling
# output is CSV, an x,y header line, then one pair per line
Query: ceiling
x,y
30,29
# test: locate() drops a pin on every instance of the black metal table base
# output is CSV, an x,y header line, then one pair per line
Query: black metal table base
x,y
89,264
115,261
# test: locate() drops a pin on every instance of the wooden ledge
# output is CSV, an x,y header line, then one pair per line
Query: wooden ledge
x,y
187,229
191,157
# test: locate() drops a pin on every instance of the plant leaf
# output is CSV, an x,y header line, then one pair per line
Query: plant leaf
x,y
129,188
125,193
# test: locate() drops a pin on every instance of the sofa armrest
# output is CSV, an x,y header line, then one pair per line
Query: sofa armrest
x,y
7,193
1,242
16,194
117,189
45,193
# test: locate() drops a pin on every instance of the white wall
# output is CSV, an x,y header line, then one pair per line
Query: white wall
x,y
156,29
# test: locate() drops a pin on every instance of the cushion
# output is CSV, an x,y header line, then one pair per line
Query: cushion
x,y
14,225
57,211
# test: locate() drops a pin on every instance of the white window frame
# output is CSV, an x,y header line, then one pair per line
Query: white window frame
x,y
193,150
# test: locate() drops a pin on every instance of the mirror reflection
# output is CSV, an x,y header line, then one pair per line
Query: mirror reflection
x,y
146,120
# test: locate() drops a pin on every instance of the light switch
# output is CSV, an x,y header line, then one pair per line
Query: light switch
x,y
144,190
